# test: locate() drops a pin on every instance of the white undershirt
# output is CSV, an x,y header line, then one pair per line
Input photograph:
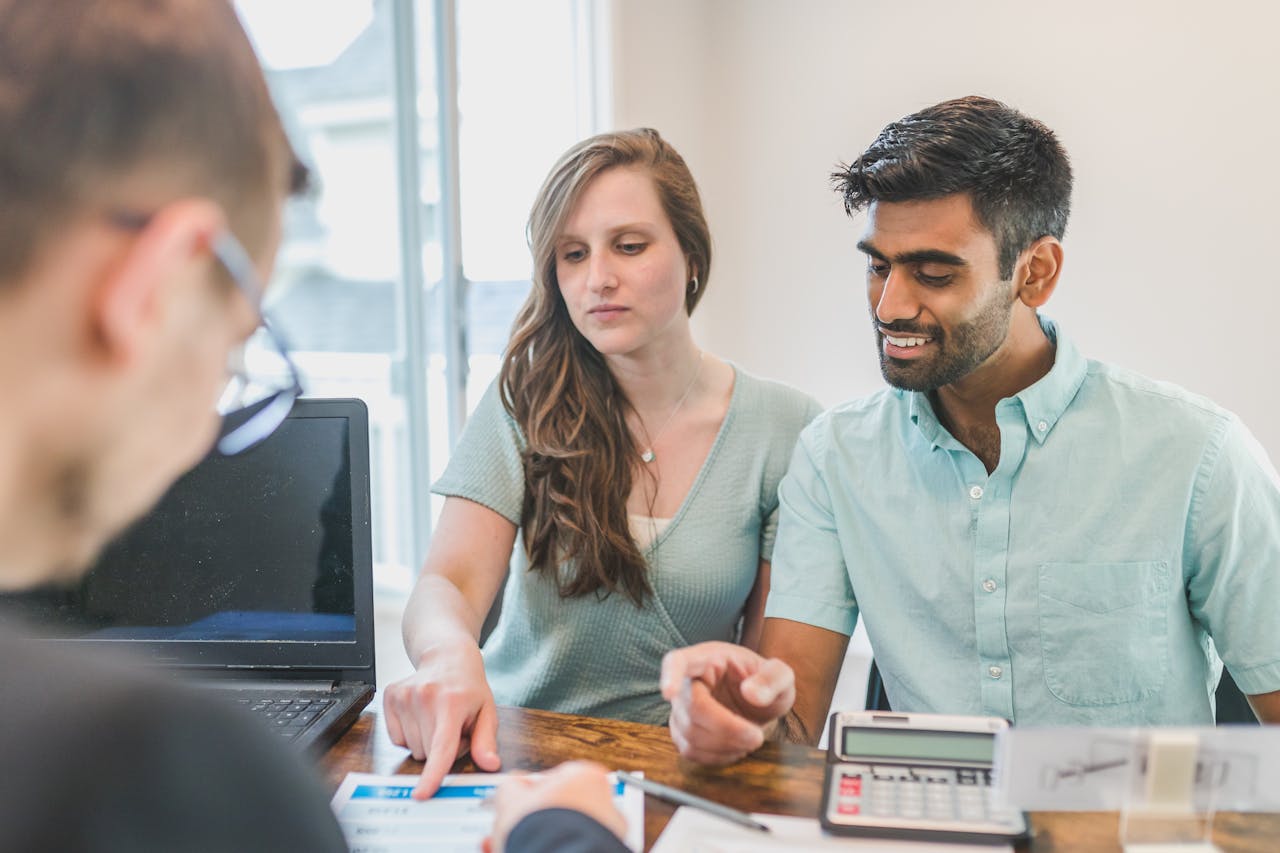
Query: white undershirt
x,y
645,529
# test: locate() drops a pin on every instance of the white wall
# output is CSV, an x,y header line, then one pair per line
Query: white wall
x,y
1168,110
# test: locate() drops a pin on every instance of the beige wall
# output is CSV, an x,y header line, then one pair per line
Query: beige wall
x,y
1168,109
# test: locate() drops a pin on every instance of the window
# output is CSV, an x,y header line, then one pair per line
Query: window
x,y
401,229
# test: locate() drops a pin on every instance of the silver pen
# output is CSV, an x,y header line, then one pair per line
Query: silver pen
x,y
684,798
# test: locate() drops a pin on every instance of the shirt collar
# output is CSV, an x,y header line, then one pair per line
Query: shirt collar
x,y
922,415
1043,403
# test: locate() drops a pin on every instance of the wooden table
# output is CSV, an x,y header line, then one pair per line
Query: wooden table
x,y
778,778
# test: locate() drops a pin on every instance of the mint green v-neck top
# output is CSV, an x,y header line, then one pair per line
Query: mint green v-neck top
x,y
601,657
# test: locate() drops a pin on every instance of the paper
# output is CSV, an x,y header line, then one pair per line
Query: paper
x,y
1099,769
693,831
379,815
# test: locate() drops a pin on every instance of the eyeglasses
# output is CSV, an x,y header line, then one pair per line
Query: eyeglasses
x,y
264,378
255,402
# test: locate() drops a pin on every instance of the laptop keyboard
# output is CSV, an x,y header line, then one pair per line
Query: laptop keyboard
x,y
288,717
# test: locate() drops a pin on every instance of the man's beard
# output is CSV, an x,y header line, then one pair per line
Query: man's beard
x,y
956,354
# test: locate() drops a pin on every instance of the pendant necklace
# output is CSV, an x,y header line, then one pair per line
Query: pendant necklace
x,y
647,454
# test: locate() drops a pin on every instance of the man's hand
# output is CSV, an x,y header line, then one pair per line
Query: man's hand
x,y
441,711
580,785
722,697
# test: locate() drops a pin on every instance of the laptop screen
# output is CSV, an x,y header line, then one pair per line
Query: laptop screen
x,y
253,558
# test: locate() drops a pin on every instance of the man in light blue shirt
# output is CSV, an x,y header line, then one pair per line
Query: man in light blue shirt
x,y
1027,533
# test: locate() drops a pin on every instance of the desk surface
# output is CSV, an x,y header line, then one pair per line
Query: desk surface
x,y
778,778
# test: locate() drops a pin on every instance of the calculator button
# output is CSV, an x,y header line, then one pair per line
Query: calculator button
x,y
848,808
851,786
940,810
880,809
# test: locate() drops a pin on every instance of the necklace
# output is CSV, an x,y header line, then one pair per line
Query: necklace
x,y
647,454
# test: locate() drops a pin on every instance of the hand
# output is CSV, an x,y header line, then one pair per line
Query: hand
x,y
580,785
722,696
441,711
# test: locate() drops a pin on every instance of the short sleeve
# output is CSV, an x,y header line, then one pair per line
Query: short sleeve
x,y
809,581
487,466
1234,557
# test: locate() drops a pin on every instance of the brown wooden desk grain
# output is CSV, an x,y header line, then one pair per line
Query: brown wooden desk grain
x,y
779,778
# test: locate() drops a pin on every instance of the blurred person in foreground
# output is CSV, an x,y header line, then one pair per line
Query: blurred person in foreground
x,y
143,170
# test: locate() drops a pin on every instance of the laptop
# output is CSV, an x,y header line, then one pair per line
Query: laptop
x,y
252,577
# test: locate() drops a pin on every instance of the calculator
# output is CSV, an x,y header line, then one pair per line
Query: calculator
x,y
917,776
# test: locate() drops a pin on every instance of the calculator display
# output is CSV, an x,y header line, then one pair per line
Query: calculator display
x,y
907,745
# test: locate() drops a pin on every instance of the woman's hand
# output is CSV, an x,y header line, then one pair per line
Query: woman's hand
x,y
442,710
446,706
723,699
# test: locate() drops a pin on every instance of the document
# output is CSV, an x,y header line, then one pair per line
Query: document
x,y
692,831
379,815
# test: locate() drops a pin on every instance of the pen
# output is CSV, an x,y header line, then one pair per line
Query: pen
x,y
684,798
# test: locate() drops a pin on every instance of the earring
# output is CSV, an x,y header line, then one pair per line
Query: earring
x,y
693,286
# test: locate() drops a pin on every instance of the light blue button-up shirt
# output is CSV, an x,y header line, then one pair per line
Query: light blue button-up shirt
x,y
1129,535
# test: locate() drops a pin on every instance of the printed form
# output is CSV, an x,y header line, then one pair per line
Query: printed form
x,y
379,815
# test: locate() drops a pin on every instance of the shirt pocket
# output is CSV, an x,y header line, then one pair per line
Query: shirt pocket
x,y
1103,631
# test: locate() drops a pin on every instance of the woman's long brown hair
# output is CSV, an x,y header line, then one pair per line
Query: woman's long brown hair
x,y
580,455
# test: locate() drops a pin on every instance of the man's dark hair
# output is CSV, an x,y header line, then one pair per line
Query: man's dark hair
x,y
108,103
1011,166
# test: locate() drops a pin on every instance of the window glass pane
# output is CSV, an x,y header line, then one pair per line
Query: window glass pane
x,y
336,291
518,93
337,294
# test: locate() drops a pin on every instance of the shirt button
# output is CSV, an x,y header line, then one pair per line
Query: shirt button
x,y
995,671
1042,426
989,585
975,492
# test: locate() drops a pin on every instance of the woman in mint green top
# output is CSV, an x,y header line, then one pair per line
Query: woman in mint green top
x,y
601,658
628,477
